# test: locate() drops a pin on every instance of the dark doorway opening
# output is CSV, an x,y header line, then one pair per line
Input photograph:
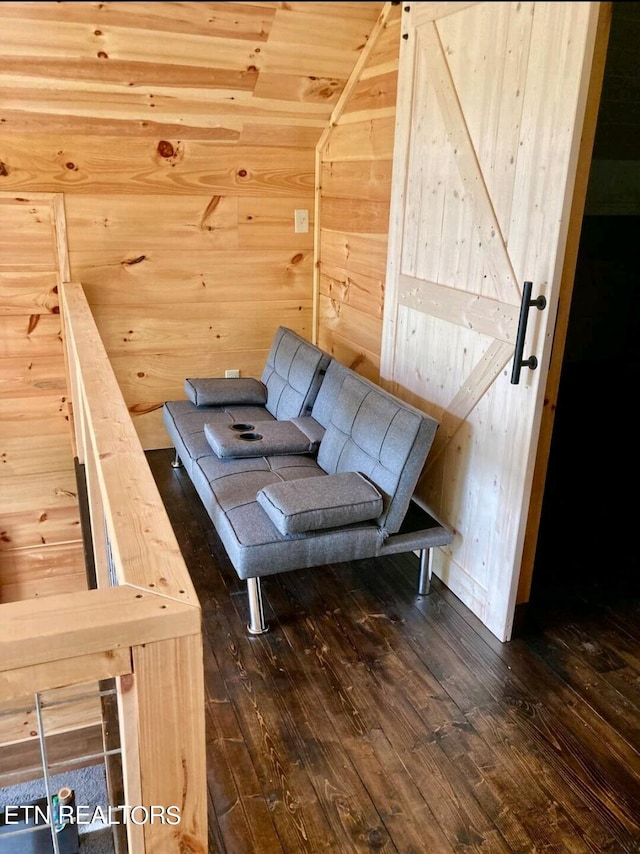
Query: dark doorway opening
x,y
587,551
587,548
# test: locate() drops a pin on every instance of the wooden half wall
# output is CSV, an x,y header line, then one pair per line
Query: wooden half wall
x,y
354,162
40,537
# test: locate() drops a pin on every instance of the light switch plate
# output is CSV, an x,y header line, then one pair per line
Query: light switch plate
x,y
301,221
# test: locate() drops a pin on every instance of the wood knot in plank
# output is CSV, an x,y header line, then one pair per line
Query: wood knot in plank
x,y
322,88
208,213
168,152
165,148
143,408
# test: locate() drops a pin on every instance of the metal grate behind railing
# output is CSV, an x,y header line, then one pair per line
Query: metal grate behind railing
x,y
68,778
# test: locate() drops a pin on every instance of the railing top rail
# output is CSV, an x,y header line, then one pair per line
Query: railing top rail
x,y
55,628
144,547
155,599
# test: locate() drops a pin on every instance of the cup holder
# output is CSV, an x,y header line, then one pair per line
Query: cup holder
x,y
242,428
250,437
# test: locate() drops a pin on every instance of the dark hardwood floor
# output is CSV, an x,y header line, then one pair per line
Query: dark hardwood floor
x,y
370,719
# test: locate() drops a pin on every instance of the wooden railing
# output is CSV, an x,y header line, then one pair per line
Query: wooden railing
x,y
141,626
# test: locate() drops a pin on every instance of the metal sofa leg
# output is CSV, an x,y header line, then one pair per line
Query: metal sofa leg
x,y
426,567
176,464
257,625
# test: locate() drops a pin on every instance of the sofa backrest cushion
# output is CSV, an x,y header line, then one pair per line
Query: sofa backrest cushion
x,y
329,392
292,374
374,432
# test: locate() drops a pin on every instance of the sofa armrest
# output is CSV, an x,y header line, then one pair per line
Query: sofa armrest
x,y
260,439
308,425
313,503
225,391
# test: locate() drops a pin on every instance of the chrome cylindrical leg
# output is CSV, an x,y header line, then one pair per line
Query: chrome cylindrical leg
x,y
176,464
426,566
257,625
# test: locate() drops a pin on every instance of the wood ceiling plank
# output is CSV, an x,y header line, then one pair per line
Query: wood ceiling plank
x,y
223,20
126,73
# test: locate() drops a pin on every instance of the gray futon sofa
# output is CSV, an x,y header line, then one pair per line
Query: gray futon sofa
x,y
311,464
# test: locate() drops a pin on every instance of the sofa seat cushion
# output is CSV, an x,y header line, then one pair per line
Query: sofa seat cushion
x,y
257,439
228,489
225,391
235,481
286,467
296,506
183,418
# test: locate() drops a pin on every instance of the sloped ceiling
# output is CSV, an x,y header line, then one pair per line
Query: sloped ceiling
x,y
246,73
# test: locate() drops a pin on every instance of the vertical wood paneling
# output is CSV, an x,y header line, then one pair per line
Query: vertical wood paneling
x,y
504,189
355,188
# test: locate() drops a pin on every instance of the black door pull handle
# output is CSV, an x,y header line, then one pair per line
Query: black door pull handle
x,y
527,303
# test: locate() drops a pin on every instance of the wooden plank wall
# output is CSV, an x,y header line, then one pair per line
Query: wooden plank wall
x,y
355,193
183,138
194,284
40,539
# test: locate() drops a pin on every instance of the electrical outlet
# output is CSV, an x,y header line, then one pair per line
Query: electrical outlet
x,y
301,221
231,374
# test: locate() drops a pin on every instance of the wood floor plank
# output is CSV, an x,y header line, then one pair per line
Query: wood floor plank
x,y
413,716
451,732
501,707
271,735
626,617
345,797
613,695
405,812
371,719
235,793
501,796
249,668
574,763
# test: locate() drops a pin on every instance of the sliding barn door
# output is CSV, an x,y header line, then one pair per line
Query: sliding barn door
x,y
490,112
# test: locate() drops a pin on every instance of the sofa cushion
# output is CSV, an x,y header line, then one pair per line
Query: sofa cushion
x,y
327,397
376,433
225,391
292,374
257,439
295,506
